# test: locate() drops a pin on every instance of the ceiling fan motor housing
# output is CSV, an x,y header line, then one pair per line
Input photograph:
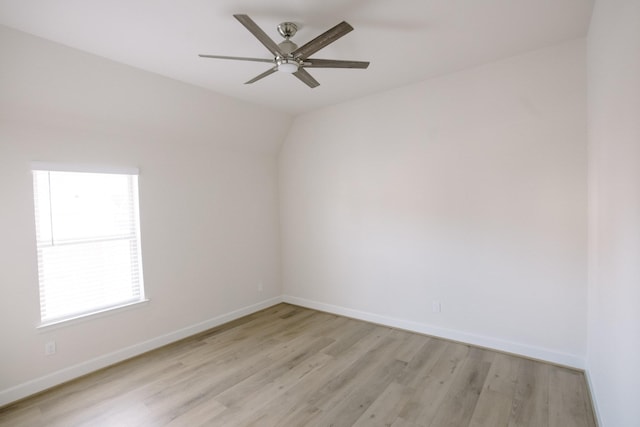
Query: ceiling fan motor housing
x,y
287,46
288,63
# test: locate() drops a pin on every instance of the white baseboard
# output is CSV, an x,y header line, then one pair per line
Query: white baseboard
x,y
592,396
468,338
39,384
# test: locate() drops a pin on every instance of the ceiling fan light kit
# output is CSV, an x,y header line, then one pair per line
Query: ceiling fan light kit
x,y
291,59
287,65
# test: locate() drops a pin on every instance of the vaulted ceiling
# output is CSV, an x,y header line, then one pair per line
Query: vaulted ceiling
x,y
405,41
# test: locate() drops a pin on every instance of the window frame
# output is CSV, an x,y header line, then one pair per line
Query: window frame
x,y
134,212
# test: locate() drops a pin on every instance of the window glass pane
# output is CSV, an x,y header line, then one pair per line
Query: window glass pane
x,y
89,206
87,277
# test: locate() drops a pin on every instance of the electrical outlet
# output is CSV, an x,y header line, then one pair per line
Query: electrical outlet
x,y
436,307
50,348
260,287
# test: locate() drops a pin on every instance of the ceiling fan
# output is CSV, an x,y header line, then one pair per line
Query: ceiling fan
x,y
290,58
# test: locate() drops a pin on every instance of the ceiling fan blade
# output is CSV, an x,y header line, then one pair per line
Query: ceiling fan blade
x,y
263,75
259,34
328,37
333,63
237,58
306,78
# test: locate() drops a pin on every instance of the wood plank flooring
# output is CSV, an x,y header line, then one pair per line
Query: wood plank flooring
x,y
290,366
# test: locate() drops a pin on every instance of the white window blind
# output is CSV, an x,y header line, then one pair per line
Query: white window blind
x,y
88,242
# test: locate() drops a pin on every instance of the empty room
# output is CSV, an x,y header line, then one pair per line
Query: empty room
x,y
338,213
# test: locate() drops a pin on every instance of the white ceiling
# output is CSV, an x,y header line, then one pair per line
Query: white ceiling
x,y
406,41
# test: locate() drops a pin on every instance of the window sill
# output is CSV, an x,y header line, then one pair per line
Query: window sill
x,y
55,324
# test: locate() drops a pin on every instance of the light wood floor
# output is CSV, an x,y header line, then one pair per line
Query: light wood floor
x,y
290,366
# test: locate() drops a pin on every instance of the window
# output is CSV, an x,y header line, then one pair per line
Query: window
x,y
88,242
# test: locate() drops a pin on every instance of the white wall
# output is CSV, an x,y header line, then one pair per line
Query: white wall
x,y
208,201
614,149
469,189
